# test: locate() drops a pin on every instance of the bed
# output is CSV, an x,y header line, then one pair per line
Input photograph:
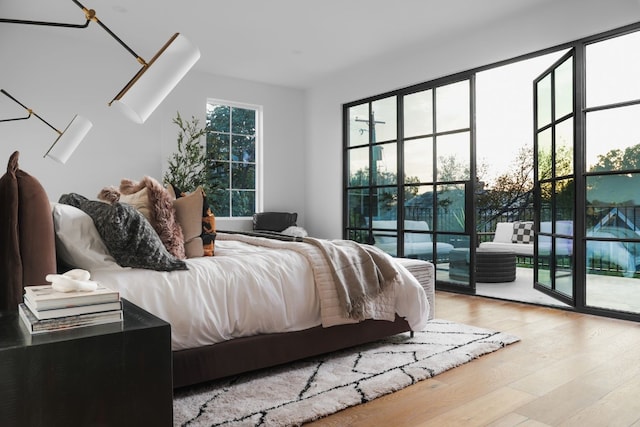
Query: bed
x,y
256,303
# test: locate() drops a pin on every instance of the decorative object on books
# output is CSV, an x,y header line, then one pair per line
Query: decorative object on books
x,y
308,390
73,280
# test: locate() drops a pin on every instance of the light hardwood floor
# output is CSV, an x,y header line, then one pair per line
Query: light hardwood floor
x,y
569,369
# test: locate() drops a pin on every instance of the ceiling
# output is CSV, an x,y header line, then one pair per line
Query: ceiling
x,y
284,42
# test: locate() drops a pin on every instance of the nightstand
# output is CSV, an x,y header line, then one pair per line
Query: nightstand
x,y
108,375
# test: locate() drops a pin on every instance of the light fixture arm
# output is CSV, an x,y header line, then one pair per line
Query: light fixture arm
x,y
29,110
90,15
153,82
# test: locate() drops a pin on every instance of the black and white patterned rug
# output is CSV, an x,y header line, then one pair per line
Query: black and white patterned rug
x,y
305,391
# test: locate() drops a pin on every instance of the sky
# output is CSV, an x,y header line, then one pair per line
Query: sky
x,y
504,112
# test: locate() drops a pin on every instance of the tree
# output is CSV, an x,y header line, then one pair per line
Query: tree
x,y
513,190
618,160
187,166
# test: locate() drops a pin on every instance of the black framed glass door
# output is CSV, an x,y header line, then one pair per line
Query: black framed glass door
x,y
554,180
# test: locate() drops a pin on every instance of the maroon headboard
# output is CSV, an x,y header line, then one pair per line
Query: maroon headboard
x,y
27,241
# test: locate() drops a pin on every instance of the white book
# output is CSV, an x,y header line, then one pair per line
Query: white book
x,y
71,311
35,326
44,297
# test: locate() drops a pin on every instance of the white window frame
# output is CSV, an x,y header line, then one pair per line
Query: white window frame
x,y
259,151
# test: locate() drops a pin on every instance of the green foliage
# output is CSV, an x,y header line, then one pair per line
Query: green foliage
x,y
618,160
231,151
188,165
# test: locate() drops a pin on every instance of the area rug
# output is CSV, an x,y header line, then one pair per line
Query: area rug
x,y
311,389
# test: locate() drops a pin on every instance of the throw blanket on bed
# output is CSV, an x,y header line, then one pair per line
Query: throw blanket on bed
x,y
360,272
354,281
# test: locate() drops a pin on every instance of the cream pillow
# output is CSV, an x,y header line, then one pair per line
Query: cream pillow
x,y
78,242
140,201
188,210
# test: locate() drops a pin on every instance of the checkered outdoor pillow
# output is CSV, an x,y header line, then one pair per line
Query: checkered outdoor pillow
x,y
522,232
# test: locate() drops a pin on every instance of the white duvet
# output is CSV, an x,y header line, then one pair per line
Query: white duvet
x,y
243,290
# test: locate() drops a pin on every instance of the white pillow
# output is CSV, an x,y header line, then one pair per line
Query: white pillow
x,y
77,240
295,231
504,232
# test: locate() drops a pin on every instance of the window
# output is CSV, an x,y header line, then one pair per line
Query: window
x,y
408,160
233,145
558,131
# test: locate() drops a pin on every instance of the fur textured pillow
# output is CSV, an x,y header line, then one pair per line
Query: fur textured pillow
x,y
127,235
156,204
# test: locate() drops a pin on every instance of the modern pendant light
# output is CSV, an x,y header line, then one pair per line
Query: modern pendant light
x,y
67,140
157,77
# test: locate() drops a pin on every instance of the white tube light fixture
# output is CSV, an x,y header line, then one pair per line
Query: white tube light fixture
x,y
151,85
67,140
154,81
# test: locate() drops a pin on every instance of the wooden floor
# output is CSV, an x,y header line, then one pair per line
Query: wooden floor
x,y
569,369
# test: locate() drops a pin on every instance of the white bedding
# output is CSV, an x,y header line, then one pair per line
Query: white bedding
x,y
243,290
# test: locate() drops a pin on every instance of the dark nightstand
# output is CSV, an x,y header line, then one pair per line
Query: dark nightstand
x,y
108,375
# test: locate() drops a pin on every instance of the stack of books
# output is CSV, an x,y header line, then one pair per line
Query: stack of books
x,y
46,310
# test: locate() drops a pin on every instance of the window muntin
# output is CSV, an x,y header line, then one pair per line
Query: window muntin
x,y
232,146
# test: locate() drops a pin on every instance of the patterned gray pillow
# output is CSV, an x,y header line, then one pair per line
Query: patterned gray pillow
x,y
127,234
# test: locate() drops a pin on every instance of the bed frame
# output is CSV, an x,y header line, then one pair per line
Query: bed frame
x,y
27,254
240,355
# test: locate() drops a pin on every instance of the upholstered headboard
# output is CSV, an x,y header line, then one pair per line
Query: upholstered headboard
x,y
27,241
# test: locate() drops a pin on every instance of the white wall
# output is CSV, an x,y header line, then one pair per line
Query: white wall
x,y
58,76
560,22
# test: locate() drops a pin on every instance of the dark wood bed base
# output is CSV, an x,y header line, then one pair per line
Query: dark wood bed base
x,y
261,351
240,355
